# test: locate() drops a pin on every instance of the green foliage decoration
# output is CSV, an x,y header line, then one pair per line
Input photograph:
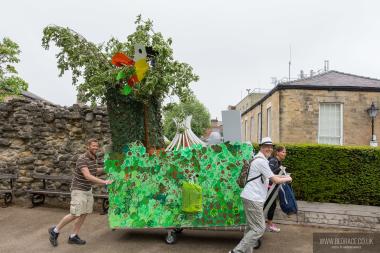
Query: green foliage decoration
x,y
147,188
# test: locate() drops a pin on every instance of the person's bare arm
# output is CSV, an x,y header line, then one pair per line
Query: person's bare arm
x,y
88,176
280,179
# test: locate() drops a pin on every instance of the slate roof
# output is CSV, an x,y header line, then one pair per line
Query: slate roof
x,y
34,97
336,79
330,80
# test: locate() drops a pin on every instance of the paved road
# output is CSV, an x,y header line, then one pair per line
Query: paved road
x,y
25,230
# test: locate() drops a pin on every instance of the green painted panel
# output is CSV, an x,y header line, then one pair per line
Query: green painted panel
x,y
147,189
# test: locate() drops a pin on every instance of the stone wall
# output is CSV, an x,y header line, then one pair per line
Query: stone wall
x,y
333,215
252,118
36,137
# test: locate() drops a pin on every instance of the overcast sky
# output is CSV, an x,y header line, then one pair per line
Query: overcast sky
x,y
232,45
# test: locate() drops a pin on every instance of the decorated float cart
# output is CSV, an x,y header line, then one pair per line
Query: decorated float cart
x,y
187,185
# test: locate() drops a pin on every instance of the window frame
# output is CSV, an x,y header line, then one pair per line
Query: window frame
x,y
252,124
269,121
245,129
259,125
341,141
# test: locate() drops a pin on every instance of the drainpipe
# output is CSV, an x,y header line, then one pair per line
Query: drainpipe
x,y
279,116
261,120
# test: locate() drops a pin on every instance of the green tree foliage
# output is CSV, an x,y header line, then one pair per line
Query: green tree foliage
x,y
93,73
95,78
199,123
10,82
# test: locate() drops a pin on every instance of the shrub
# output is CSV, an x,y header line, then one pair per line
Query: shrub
x,y
337,174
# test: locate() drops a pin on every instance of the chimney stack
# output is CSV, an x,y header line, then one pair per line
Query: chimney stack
x,y
326,68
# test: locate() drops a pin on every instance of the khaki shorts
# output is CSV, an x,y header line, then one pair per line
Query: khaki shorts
x,y
82,202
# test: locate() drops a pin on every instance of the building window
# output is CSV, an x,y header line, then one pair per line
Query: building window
x,y
259,127
251,130
248,135
245,130
330,129
269,121
242,131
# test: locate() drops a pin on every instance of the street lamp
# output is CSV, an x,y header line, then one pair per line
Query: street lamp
x,y
372,111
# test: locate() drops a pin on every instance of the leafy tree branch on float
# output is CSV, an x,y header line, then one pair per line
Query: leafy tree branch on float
x,y
133,92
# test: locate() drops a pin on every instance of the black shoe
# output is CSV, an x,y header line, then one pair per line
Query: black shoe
x,y
76,240
53,237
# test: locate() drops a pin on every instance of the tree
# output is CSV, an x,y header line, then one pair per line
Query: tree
x,y
10,82
95,79
199,123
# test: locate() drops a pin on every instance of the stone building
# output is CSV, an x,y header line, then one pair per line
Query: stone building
x,y
328,108
249,100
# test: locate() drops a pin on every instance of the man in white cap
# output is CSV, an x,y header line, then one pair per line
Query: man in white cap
x,y
254,195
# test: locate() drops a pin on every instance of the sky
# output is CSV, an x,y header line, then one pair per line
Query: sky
x,y
232,45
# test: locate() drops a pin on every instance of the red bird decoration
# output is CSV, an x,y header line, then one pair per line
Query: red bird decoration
x,y
139,63
120,59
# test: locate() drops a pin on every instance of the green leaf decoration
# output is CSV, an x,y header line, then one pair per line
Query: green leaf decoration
x,y
147,189
126,90
120,75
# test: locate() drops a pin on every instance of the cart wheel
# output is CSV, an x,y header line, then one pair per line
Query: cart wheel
x,y
178,230
258,244
171,237
105,206
8,198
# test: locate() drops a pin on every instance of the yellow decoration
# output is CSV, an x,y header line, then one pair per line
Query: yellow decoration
x,y
141,67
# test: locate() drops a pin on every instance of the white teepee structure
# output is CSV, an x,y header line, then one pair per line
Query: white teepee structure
x,y
184,136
